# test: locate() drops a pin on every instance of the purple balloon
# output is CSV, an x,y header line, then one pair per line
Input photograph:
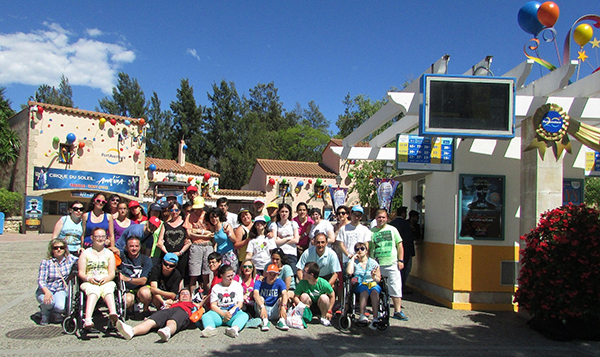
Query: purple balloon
x,y
528,19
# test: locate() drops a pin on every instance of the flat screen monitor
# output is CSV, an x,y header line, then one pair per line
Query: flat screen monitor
x,y
468,106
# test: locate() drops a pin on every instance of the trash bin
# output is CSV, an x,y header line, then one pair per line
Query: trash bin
x,y
1,222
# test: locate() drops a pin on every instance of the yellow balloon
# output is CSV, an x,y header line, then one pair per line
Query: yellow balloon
x,y
583,33
102,120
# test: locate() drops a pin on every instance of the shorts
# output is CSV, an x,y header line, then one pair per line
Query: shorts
x,y
99,290
364,287
394,281
198,261
272,311
181,318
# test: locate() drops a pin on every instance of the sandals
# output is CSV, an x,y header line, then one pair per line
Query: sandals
x,y
88,324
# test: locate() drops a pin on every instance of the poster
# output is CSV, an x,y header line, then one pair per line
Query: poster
x,y
32,217
386,188
338,196
415,152
50,178
481,211
573,191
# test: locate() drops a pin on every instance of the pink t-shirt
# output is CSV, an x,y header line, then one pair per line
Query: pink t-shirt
x,y
303,230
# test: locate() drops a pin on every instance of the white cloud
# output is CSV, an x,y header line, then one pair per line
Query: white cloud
x,y
42,57
93,32
192,51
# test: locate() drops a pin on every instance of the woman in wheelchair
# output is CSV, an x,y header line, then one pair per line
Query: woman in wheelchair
x,y
52,285
97,271
366,276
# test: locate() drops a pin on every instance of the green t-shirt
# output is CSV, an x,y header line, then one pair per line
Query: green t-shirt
x,y
383,245
314,291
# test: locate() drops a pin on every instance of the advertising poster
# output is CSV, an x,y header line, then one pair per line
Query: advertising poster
x,y
573,191
481,211
423,153
32,217
50,178
338,196
385,192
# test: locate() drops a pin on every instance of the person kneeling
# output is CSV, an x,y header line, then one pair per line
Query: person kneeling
x,y
315,291
170,320
270,297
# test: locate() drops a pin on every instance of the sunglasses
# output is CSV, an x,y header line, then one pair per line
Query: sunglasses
x,y
77,209
100,201
175,210
115,200
356,249
169,265
342,213
247,266
58,248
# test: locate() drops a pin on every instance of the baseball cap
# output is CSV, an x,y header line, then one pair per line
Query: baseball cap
x,y
163,204
242,210
154,221
272,205
155,207
272,268
198,203
358,208
259,199
133,204
260,218
171,258
191,189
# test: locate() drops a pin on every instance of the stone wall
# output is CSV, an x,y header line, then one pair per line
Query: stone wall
x,y
13,224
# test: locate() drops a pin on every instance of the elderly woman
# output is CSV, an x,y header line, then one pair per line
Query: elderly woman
x,y
97,271
52,285
365,273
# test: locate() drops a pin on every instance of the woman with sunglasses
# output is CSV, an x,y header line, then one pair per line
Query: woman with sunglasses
x,y
112,205
70,228
95,217
52,285
365,274
173,238
248,277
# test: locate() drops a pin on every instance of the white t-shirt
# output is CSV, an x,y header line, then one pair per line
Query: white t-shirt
x,y
260,247
232,219
350,235
285,231
228,296
323,227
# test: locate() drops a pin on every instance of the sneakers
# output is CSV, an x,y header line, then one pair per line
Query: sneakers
x,y
165,334
400,316
373,324
254,323
325,322
266,325
363,319
125,330
209,332
282,325
45,320
232,332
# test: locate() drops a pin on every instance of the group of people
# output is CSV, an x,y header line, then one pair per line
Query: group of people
x,y
186,264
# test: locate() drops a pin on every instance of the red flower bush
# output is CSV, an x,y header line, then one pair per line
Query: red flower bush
x,y
560,266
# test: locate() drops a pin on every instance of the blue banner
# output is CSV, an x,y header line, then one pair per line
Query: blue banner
x,y
51,179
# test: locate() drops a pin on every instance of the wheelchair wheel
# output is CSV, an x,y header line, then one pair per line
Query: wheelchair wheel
x,y
345,322
382,325
69,325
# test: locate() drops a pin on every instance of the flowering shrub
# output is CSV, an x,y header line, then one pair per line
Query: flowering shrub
x,y
560,266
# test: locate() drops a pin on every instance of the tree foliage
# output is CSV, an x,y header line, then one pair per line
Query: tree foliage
x,y
127,99
63,95
159,133
9,141
187,123
363,183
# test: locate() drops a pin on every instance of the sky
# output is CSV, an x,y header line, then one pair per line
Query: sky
x,y
311,50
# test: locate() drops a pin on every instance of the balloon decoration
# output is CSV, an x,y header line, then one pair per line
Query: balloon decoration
x,y
583,34
137,152
81,145
71,138
40,110
142,121
283,181
309,181
300,183
206,176
351,175
56,140
548,13
528,18
190,179
152,167
197,182
185,146
113,121
319,181
102,121
271,181
127,122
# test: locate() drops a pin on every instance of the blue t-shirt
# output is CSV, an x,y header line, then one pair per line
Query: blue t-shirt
x,y
138,267
132,230
270,292
224,244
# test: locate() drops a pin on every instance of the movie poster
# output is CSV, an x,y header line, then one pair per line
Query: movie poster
x,y
481,211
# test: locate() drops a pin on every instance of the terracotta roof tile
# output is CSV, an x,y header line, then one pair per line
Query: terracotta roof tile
x,y
338,142
81,112
295,168
168,165
228,192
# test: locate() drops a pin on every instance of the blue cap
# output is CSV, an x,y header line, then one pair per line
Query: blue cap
x,y
171,258
358,208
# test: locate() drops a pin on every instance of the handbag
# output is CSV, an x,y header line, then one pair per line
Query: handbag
x,y
197,315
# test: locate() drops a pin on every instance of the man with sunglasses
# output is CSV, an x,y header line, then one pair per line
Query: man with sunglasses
x,y
352,233
165,282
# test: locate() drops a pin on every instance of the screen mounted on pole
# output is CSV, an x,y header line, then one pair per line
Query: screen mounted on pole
x,y
467,106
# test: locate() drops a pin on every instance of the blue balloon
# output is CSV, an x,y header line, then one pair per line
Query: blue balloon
x,y
152,167
528,19
127,122
300,183
71,138
184,146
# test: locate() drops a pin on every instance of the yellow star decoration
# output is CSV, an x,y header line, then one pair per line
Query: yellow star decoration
x,y
595,43
582,56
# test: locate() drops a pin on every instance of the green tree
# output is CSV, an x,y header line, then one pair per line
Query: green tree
x,y
363,183
592,191
187,124
357,111
63,95
313,117
127,99
9,141
159,134
265,102
300,143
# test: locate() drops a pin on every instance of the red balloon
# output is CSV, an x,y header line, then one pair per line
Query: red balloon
x,y
206,176
113,121
190,179
40,110
309,180
548,13
271,181
81,144
142,121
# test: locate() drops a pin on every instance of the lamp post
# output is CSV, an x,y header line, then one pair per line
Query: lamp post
x,y
387,168
171,176
338,180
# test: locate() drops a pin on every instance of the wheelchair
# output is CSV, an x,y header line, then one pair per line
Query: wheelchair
x,y
350,305
76,300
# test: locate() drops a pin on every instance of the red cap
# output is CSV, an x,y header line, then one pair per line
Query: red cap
x,y
273,268
154,221
191,189
134,204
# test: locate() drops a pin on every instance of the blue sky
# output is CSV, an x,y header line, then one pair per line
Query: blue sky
x,y
311,50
